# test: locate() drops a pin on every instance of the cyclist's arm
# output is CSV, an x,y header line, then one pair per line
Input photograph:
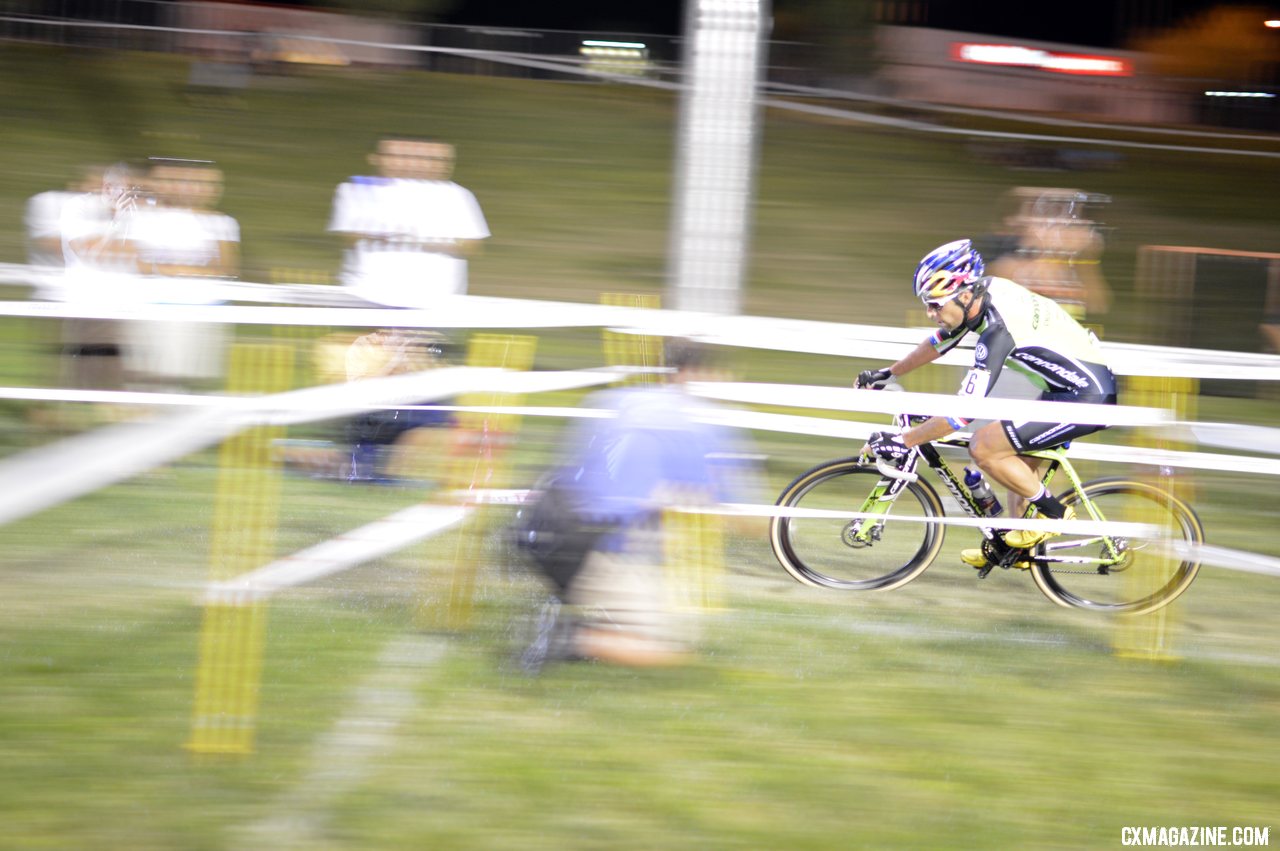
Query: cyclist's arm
x,y
934,428
993,347
919,356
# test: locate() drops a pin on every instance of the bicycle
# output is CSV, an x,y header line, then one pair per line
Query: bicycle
x,y
892,537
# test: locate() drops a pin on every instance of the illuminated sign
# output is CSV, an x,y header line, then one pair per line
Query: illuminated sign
x,y
1239,94
1046,60
616,57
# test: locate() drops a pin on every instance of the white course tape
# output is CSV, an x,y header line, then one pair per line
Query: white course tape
x,y
318,404
774,334
1007,115
347,550
1228,558
1085,527
737,509
933,404
1232,436
50,475
1205,554
450,312
858,430
1174,458
114,397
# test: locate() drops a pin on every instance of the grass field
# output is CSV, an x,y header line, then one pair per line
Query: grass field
x,y
948,714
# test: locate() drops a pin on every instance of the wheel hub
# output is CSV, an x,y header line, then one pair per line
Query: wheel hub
x,y
853,529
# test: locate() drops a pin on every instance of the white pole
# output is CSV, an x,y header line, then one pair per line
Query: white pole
x,y
716,145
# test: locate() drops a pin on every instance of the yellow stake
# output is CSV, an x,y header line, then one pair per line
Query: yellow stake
x,y
229,671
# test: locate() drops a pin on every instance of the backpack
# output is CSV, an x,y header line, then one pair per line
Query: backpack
x,y
552,532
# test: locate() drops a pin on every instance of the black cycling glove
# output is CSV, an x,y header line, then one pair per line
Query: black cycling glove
x,y
874,379
889,446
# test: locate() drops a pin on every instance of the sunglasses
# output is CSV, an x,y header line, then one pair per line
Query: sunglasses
x,y
935,306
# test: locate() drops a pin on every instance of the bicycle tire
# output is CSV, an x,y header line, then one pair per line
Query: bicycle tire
x,y
817,551
1148,580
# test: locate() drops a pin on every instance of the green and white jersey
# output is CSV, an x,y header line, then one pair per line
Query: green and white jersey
x,y
1035,336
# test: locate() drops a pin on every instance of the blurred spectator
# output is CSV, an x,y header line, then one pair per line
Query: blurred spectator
x,y
1270,326
410,229
610,600
1058,249
100,267
376,438
186,246
43,218
1050,246
379,446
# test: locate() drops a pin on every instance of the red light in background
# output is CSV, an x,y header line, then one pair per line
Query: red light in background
x,y
1014,55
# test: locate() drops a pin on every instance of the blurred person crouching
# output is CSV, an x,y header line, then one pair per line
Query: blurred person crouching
x,y
381,446
594,527
184,246
395,444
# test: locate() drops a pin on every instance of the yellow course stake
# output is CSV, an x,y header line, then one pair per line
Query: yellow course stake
x,y
693,555
1151,636
480,461
229,672
643,351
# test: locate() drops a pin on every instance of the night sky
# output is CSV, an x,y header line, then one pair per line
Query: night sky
x,y
1086,22
656,17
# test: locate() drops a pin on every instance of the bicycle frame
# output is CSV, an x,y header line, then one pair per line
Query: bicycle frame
x,y
817,551
894,480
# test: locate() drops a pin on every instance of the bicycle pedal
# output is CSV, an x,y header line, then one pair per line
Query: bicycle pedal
x,y
983,571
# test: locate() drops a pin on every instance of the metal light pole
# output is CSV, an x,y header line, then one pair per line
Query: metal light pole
x,y
716,153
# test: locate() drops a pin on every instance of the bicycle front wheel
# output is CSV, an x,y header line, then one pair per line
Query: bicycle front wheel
x,y
846,553
1139,575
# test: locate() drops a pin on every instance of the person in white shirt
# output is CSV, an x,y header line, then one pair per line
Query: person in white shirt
x,y
100,266
43,219
410,229
185,246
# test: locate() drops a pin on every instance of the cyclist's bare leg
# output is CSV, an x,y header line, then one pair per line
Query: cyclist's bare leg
x,y
1015,503
994,454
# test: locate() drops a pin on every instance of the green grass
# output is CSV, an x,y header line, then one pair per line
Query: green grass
x,y
948,714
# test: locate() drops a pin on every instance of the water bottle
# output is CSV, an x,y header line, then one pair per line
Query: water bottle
x,y
987,501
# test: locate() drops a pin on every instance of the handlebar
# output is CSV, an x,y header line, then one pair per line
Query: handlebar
x,y
891,472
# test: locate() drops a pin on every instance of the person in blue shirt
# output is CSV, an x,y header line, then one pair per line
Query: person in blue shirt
x,y
661,448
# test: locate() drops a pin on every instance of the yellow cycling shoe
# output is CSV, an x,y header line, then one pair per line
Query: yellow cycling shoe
x,y
1025,539
976,558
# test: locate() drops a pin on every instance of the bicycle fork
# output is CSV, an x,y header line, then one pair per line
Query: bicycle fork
x,y
863,531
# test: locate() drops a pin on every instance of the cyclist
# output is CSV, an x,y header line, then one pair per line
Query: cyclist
x,y
1015,327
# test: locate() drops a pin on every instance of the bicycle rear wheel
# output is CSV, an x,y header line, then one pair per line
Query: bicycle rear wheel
x,y
1147,574
827,551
